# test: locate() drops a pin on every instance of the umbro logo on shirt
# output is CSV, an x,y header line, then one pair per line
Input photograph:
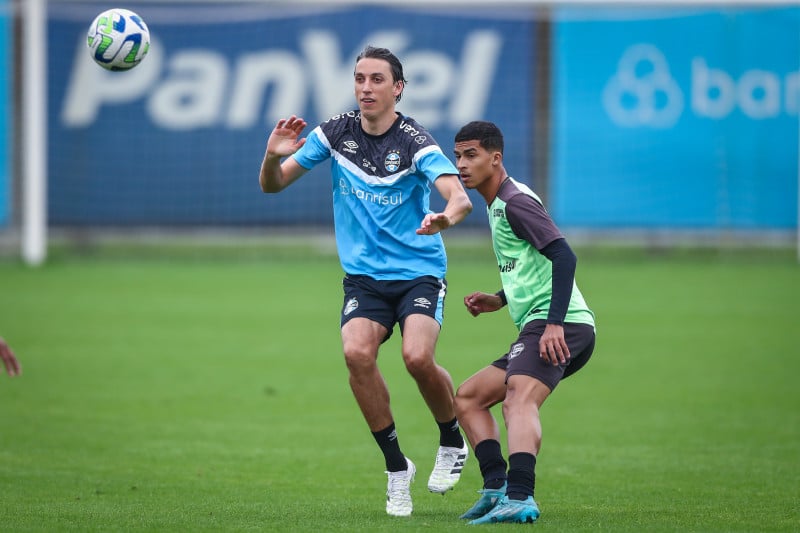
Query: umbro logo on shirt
x,y
350,147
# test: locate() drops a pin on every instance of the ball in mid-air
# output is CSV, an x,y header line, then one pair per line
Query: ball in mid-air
x,y
118,39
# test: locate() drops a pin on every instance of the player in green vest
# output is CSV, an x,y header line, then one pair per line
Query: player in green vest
x,y
556,329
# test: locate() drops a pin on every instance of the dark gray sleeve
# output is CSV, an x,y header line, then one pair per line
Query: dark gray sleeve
x,y
530,221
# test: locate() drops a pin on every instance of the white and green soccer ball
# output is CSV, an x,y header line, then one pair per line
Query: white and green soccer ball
x,y
118,39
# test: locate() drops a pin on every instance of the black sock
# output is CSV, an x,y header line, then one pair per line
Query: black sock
x,y
521,476
491,463
449,434
387,440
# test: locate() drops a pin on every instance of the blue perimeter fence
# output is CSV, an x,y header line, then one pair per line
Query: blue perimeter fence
x,y
617,117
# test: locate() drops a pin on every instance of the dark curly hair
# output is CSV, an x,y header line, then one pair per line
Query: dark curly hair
x,y
486,133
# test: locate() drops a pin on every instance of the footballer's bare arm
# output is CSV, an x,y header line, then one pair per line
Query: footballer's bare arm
x,y
457,208
284,141
482,302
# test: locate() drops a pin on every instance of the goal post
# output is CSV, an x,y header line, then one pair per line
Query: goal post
x,y
34,133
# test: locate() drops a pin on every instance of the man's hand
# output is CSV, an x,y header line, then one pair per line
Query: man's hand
x,y
283,141
9,360
285,138
481,302
434,223
553,346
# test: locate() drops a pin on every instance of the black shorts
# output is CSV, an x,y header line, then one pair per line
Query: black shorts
x,y
389,302
580,341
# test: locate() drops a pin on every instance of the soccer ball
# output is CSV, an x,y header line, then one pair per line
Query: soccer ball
x,y
118,39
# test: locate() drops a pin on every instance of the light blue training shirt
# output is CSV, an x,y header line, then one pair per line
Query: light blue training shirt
x,y
381,193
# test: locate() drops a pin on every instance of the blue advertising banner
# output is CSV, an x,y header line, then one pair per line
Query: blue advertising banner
x,y
684,119
5,113
179,139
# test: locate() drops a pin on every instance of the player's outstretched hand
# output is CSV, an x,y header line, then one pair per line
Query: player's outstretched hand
x,y
9,360
285,138
434,223
481,302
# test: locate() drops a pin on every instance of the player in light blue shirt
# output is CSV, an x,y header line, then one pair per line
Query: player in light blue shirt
x,y
381,189
382,167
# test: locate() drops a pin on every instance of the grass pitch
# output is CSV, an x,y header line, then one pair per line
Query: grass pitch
x,y
210,394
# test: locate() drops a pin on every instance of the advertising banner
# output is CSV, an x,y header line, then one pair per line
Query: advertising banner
x,y
179,139
676,119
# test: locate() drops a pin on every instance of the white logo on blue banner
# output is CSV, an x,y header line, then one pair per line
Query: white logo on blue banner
x,y
642,93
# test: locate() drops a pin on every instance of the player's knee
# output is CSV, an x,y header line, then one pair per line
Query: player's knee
x,y
472,396
517,405
358,358
418,364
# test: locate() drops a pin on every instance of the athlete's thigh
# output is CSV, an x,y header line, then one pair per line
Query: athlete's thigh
x,y
420,334
525,390
362,337
485,388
